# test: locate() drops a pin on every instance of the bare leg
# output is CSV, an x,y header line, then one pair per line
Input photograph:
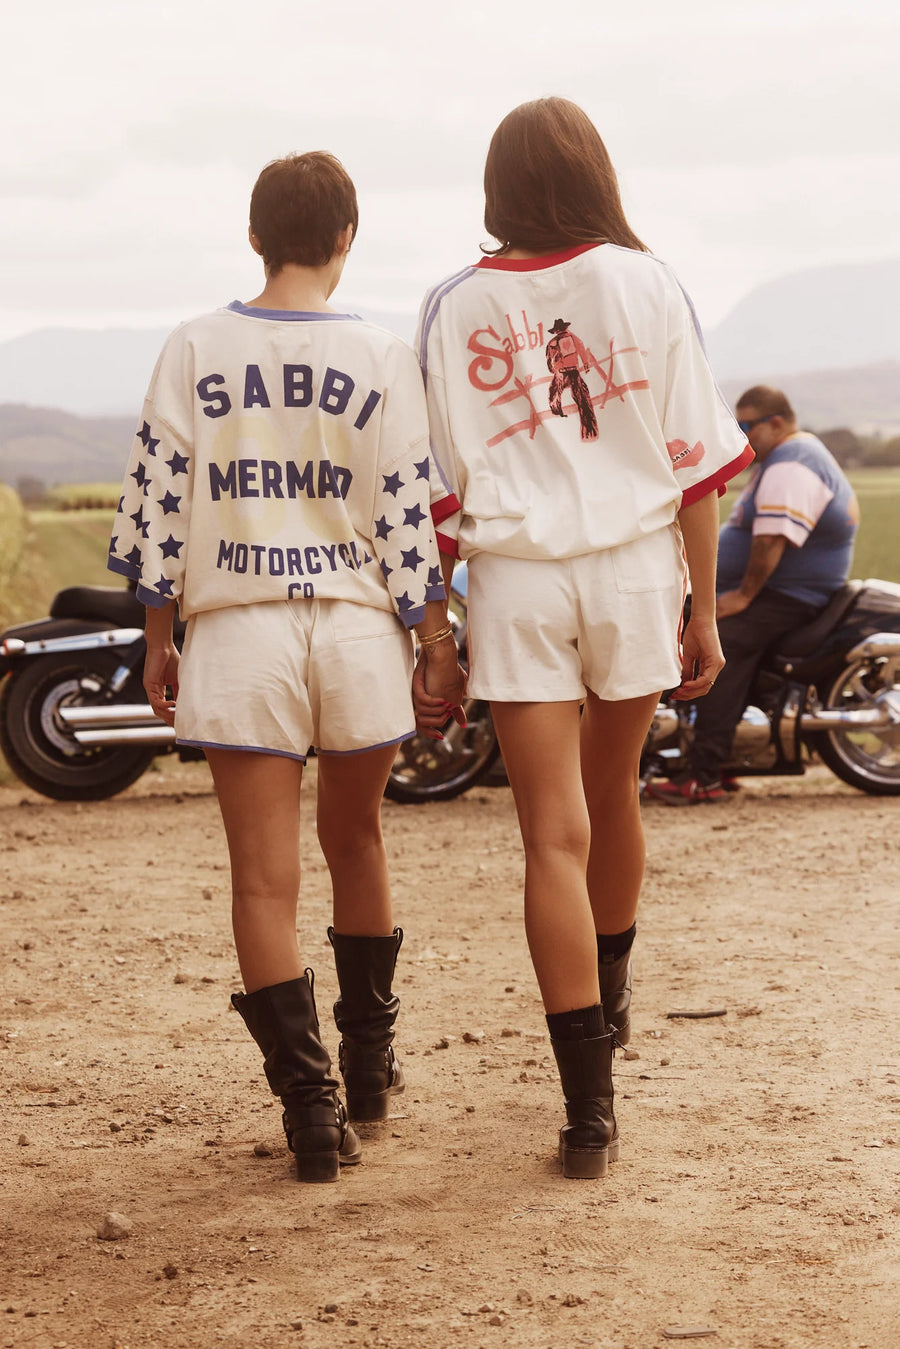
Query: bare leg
x,y
540,744
611,738
259,797
348,819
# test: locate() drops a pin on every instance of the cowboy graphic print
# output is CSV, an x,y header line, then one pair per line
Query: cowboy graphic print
x,y
564,352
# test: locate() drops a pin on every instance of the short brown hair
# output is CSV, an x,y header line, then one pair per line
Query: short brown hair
x,y
768,402
549,182
299,206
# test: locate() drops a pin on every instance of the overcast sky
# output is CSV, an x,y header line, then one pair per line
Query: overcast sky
x,y
751,139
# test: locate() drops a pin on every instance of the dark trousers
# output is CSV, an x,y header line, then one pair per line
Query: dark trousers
x,y
745,638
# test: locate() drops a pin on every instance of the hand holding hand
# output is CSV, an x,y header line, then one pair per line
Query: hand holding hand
x,y
439,687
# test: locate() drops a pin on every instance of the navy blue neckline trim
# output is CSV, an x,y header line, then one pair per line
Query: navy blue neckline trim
x,y
286,315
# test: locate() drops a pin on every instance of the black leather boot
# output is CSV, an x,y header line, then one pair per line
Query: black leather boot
x,y
590,1139
282,1020
615,994
365,1014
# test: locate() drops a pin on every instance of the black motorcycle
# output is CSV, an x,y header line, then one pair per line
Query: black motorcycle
x,y
831,688
75,723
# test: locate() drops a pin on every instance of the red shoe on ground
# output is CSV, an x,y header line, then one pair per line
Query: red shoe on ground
x,y
730,784
690,792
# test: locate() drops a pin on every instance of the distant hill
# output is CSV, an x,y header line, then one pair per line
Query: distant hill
x,y
104,372
61,447
827,318
866,399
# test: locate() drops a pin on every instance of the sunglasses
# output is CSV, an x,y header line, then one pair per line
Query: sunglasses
x,y
747,427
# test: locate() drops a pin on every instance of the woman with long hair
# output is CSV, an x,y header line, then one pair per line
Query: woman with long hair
x,y
575,417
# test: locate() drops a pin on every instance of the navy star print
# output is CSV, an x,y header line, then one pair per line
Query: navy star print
x,y
392,483
411,558
134,557
140,523
178,463
171,547
434,577
382,528
164,587
422,469
169,503
414,515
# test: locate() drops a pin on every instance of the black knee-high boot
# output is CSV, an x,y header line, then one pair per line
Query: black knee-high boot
x,y
282,1020
365,1014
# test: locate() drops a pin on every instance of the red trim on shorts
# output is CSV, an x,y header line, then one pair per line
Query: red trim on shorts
x,y
440,510
502,264
446,544
717,482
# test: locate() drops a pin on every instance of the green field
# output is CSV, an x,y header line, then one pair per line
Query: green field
x,y
43,550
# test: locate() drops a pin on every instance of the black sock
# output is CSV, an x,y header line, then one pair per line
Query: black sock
x,y
585,1023
610,948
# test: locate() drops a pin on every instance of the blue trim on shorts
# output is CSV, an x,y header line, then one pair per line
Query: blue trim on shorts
x,y
341,753
246,749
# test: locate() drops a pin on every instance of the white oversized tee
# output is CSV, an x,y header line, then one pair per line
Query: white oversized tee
x,y
282,456
571,403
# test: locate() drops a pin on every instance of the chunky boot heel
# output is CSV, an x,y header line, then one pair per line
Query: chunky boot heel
x,y
365,1014
282,1020
583,1163
589,1137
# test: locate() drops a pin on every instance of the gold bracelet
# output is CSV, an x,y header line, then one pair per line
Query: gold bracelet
x,y
436,637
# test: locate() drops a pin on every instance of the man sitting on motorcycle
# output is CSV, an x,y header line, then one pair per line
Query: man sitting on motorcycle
x,y
783,552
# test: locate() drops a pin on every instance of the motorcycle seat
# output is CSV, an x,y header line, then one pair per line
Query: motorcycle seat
x,y
796,645
119,607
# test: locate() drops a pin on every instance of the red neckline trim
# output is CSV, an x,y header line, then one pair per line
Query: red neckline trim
x,y
535,264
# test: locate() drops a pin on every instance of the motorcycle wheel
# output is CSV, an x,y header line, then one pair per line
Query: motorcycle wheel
x,y
869,758
39,748
437,770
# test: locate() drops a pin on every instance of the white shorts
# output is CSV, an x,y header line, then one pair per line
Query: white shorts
x,y
546,631
280,677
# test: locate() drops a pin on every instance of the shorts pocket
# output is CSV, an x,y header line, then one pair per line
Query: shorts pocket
x,y
352,622
652,562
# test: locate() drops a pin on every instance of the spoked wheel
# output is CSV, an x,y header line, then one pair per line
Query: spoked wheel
x,y
40,748
867,757
437,770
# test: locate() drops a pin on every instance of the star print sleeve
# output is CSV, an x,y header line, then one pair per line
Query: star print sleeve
x,y
705,445
149,541
403,531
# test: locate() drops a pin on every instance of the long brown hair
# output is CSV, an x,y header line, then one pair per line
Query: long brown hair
x,y
549,182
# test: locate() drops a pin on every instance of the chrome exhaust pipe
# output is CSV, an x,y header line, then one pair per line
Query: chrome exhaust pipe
x,y
109,714
116,724
827,719
160,734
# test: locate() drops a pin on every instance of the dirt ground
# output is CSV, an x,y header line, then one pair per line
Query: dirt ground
x,y
757,1197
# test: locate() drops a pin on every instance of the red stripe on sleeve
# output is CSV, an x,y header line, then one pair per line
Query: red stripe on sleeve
x,y
446,544
446,506
718,480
